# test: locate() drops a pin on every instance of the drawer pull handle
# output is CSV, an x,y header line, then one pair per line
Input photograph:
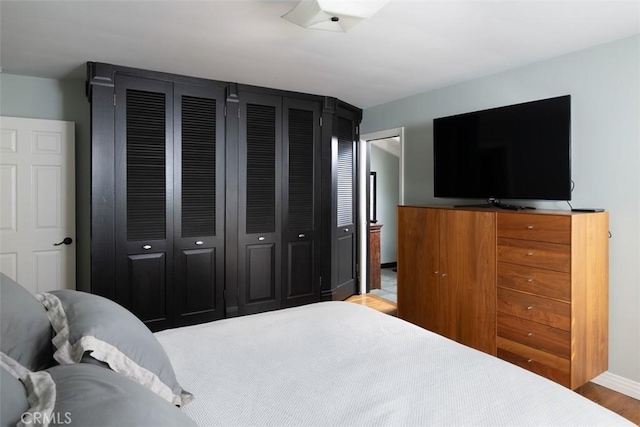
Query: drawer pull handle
x,y
199,242
530,307
530,334
146,247
261,238
529,280
529,253
444,274
436,272
301,235
529,227
529,360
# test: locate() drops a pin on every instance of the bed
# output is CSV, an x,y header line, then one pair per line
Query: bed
x,y
324,364
337,363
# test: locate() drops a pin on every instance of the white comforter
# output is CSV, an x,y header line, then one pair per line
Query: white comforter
x,y
341,364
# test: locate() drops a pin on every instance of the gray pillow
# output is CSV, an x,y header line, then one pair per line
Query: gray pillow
x,y
111,334
87,395
13,401
24,327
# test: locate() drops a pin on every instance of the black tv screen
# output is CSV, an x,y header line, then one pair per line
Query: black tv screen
x,y
516,152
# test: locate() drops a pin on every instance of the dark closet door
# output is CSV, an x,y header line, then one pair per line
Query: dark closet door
x,y
301,202
199,174
259,203
144,203
345,242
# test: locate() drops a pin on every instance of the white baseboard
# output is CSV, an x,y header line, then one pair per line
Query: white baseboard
x,y
619,384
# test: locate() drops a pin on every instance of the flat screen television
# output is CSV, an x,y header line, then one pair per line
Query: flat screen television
x,y
519,151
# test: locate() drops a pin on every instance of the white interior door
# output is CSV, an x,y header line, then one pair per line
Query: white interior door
x,y
37,203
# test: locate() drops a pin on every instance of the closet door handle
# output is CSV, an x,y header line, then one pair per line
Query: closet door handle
x,y
301,235
346,230
261,238
146,247
199,242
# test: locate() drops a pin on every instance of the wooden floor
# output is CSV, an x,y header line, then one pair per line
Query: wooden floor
x,y
619,403
375,302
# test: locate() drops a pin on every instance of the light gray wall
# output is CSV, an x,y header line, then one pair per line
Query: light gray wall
x,y
387,168
604,83
37,98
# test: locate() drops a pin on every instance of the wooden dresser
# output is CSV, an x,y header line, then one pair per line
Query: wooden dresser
x,y
553,294
548,293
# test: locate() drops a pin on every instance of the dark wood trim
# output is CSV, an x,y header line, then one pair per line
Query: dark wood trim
x,y
328,193
231,206
155,75
102,181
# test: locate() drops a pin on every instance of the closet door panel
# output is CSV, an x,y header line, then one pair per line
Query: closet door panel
x,y
259,203
301,281
261,273
345,248
147,272
301,202
199,203
198,281
144,199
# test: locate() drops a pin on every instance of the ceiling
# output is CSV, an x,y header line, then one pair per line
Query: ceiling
x,y
408,47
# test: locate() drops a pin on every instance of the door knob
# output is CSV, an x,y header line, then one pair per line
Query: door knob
x,y
66,241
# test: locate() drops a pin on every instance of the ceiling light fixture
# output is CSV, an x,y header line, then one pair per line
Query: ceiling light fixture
x,y
332,15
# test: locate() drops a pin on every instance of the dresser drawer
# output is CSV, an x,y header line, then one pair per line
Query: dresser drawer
x,y
542,228
551,256
537,309
547,365
532,334
547,283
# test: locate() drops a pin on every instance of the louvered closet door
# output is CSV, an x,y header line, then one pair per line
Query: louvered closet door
x,y
144,204
199,174
259,203
345,248
301,202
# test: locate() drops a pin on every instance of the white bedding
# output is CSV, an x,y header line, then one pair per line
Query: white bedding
x,y
338,364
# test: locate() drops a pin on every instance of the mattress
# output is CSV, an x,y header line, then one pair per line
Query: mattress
x,y
342,364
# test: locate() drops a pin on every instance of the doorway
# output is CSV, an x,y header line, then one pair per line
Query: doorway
x,y
382,189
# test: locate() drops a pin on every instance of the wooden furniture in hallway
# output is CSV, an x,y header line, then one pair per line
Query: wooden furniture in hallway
x,y
375,281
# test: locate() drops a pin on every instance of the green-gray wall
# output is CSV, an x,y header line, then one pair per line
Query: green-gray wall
x,y
387,168
38,98
604,84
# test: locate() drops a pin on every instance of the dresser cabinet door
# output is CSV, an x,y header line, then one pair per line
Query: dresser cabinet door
x,y
144,201
199,174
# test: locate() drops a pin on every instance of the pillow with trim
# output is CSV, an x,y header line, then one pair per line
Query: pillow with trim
x,y
87,395
109,333
24,327
14,398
